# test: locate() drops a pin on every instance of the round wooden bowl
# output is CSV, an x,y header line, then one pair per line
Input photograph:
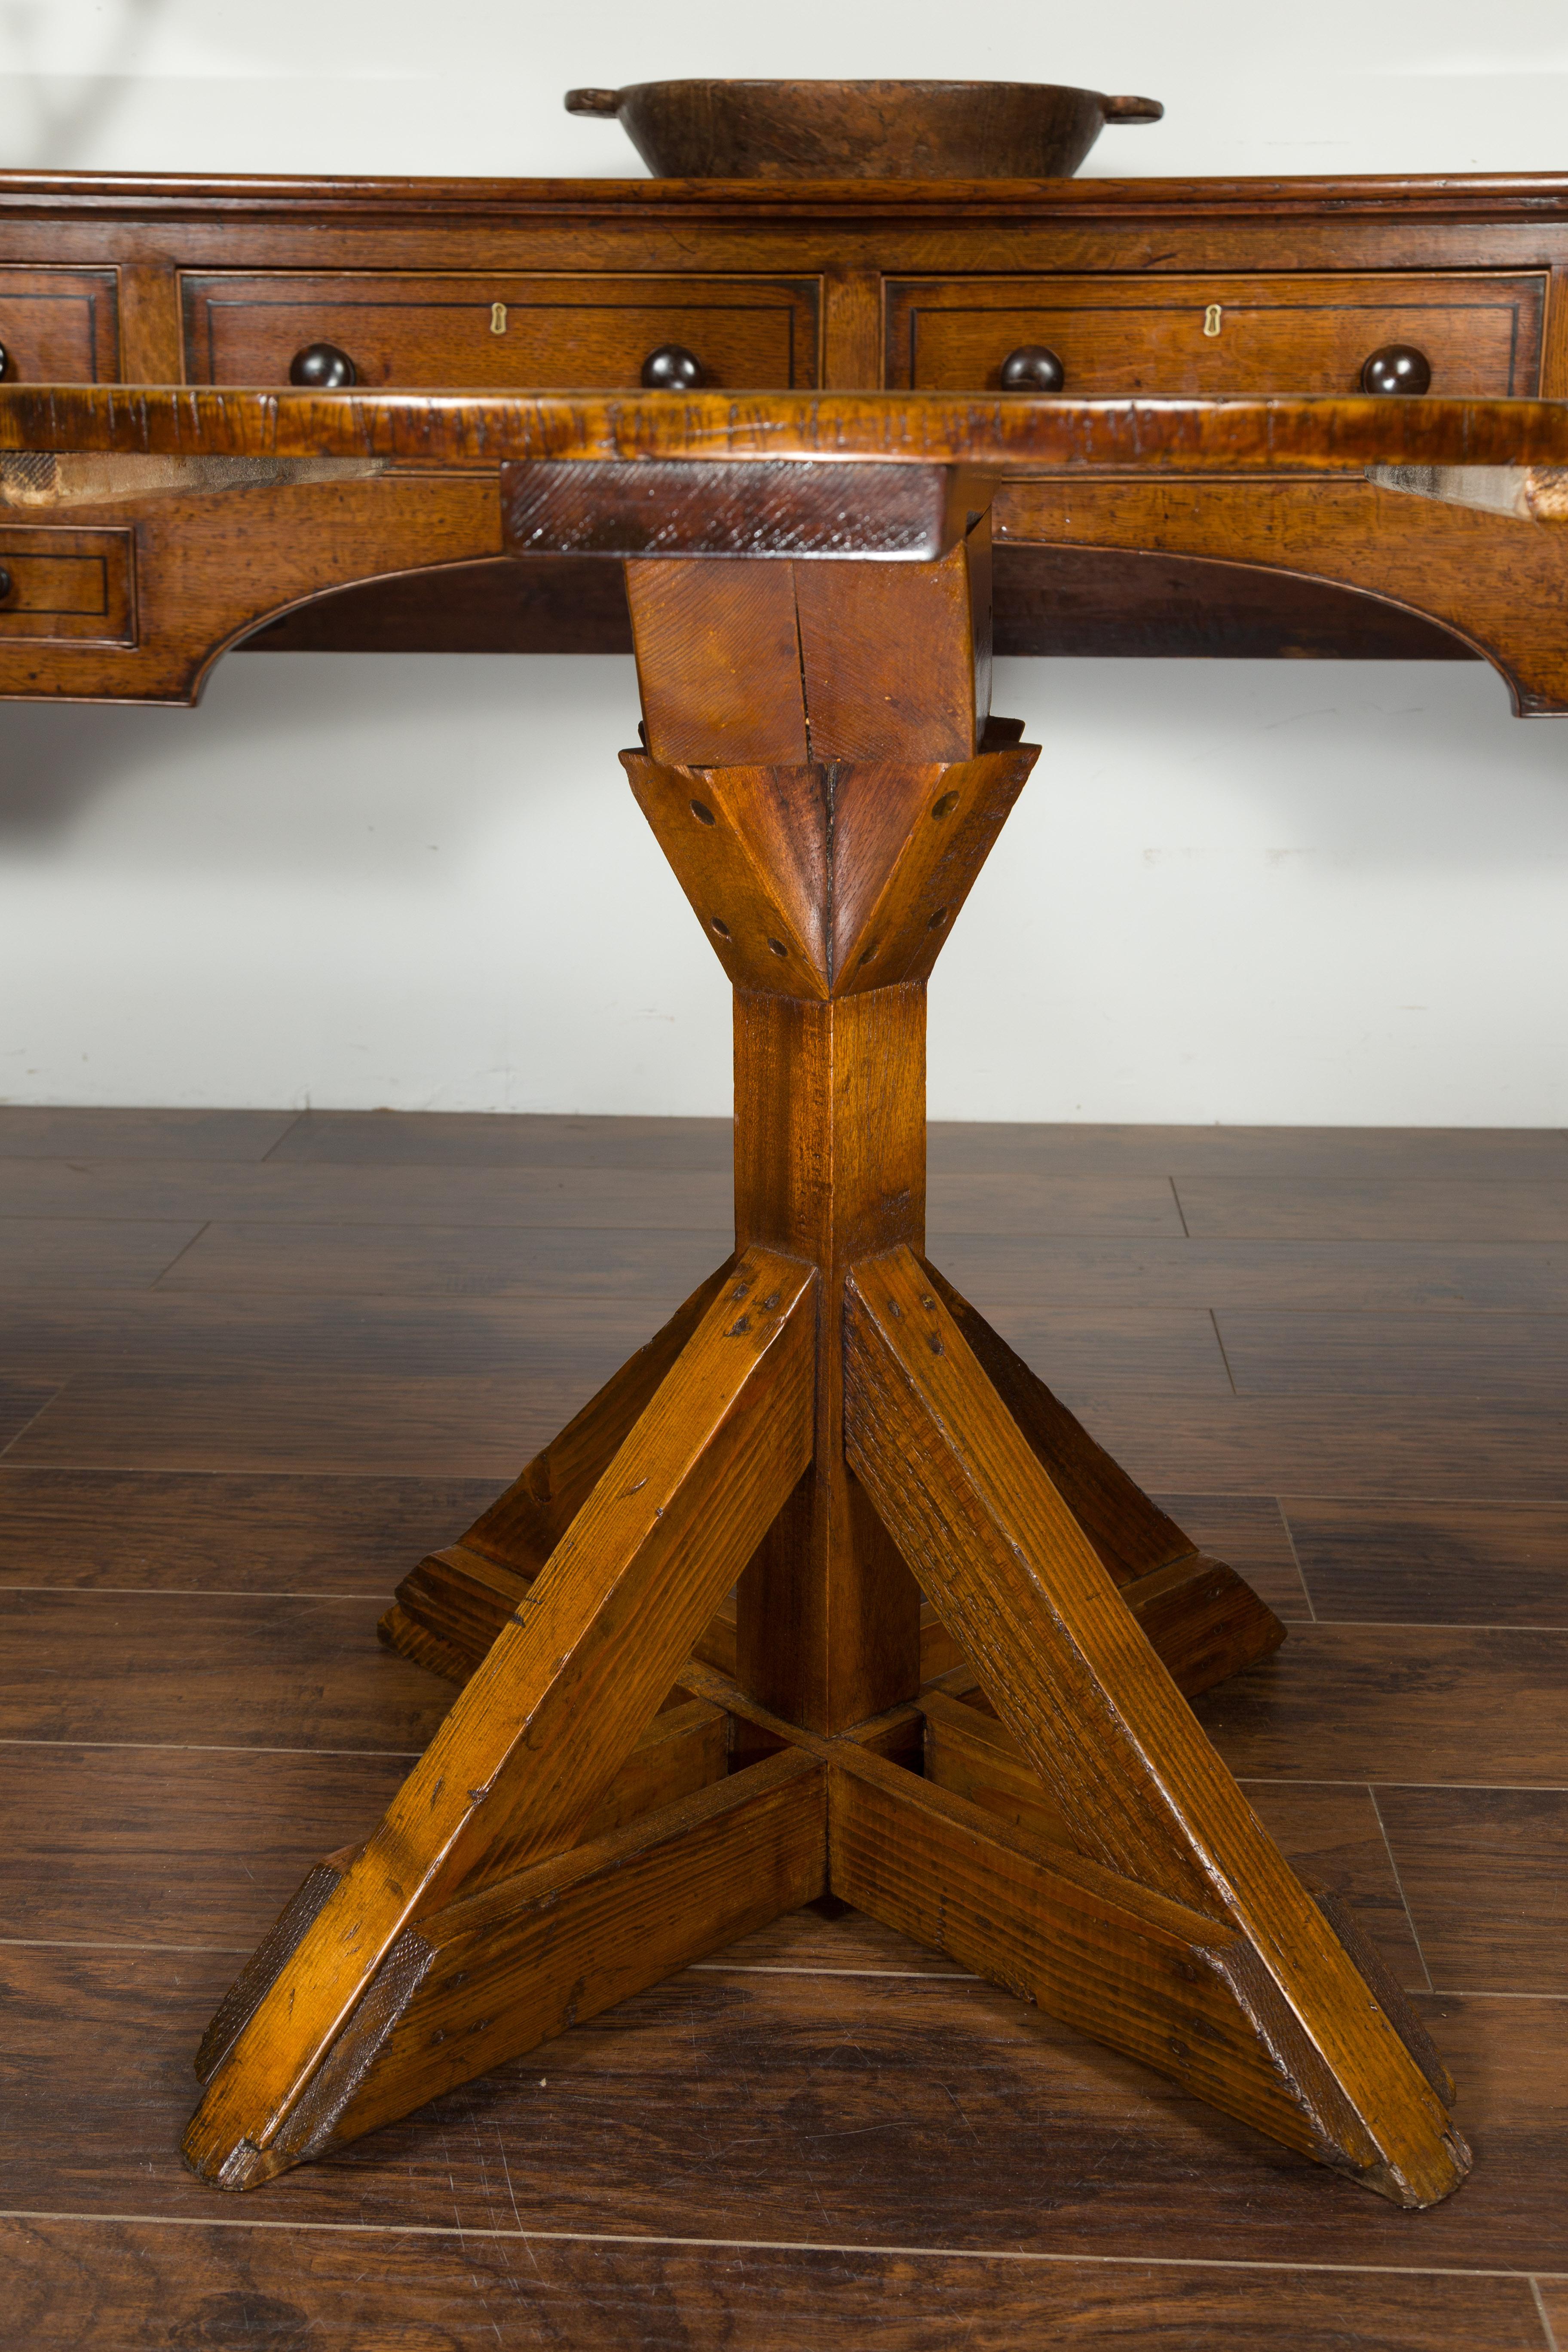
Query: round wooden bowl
x,y
862,129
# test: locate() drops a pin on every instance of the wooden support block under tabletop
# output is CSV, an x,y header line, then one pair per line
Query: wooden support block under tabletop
x,y
509,1777
777,663
500,1970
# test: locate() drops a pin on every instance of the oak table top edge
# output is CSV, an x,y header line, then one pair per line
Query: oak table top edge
x,y
1237,434
1439,193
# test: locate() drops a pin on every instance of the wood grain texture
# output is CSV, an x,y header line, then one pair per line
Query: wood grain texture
x,y
528,2292
1435,1209
1088,603
908,514
54,1334
1500,595
21,1402
80,1131
175,1846
408,328
811,881
209,568
1457,1563
500,1140
1157,1982
505,604
897,662
1334,1833
1414,1445
842,2109
246,1671
1478,1358
1552,2301
774,131
1081,602
1021,1589
1481,333
1269,1275
1245,434
718,656
1002,2129
680,1508
463,1594
1375,1703
1287,1157
207,1532
829,1160
408,1261
591,276
1249,1531
1132,1537
39,1253
561,1199
521,1960
1021,1204
1483,1872
454,1424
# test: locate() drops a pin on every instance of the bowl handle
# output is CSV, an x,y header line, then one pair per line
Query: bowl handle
x,y
1117,110
607,102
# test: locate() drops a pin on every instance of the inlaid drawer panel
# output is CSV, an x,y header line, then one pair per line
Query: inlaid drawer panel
x,y
67,585
58,326
1481,333
569,332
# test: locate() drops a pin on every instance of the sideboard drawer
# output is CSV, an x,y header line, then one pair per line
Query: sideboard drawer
x,y
1258,333
58,326
570,333
67,585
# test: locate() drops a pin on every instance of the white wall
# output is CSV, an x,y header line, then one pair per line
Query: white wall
x,y
1244,891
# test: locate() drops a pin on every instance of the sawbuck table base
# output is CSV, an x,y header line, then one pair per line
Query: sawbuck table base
x,y
699,1686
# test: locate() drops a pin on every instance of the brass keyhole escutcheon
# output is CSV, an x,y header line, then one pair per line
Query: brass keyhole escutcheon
x,y
497,317
1212,316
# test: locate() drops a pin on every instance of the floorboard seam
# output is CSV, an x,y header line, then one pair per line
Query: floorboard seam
x,y
1544,2315
112,1944
279,1141
55,1391
783,2245
179,1254
1399,1883
1296,1558
1225,1359
210,1747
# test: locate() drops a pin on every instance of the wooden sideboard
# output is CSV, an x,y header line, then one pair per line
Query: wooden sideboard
x,y
1132,287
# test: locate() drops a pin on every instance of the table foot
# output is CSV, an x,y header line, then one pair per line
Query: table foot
x,y
509,1777
1123,1765
486,1976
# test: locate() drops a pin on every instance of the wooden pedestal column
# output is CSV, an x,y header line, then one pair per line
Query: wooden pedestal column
x,y
634,1772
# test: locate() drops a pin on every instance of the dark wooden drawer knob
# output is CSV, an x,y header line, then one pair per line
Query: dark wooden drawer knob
x,y
323,368
7,583
1396,367
4,361
672,368
1033,368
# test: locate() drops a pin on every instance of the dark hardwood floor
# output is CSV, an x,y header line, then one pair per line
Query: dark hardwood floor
x,y
252,1365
